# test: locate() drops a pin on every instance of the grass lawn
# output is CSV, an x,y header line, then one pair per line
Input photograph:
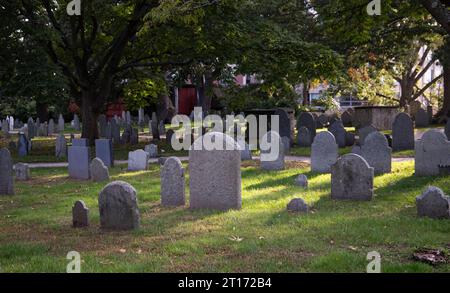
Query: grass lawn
x,y
36,233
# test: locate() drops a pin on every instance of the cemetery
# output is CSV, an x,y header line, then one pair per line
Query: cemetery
x,y
177,178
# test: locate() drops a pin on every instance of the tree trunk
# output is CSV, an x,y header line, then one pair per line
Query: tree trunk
x,y
208,92
407,91
42,111
305,93
444,112
89,115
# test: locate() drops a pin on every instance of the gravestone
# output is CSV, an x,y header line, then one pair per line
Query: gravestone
x,y
31,128
324,152
154,127
422,119
246,153
43,130
272,152
152,150
115,132
169,134
172,183
126,135
76,122
297,205
338,130
22,145
323,119
447,129
286,144
134,136
6,173
304,137
162,128
433,203
215,175
80,215
301,181
79,162
99,171
402,132
364,132
352,178
61,146
349,138
22,172
118,206
414,107
307,120
138,160
285,125
80,142
5,127
128,117
347,119
104,151
377,153
51,127
432,151
61,123
102,126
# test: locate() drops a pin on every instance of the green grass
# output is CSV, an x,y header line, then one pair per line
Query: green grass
x,y
36,233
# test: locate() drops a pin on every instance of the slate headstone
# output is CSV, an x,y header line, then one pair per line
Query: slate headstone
x,y
99,171
81,142
377,153
79,162
138,160
307,120
304,137
364,132
338,130
6,173
422,119
22,172
172,183
431,151
272,152
285,125
324,152
104,151
61,146
22,145
402,132
80,215
152,150
433,203
61,123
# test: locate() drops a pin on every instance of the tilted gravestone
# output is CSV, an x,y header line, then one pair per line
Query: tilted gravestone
x,y
377,153
215,175
80,215
433,203
422,119
152,150
364,132
304,137
402,132
104,151
118,206
138,160
352,179
61,146
307,120
79,162
324,152
172,183
99,171
338,130
285,125
22,145
22,172
6,173
272,152
431,152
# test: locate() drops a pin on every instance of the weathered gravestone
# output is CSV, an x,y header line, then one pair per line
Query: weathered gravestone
x,y
347,119
352,178
138,160
306,119
301,181
80,215
152,150
31,128
172,183
377,153
79,162
99,171
51,127
5,128
364,132
126,135
76,122
22,145
304,137
447,129
349,138
115,131
286,144
154,127
6,173
297,205
134,136
61,123
324,152
272,152
433,203
102,125
246,153
61,146
338,130
22,171
104,151
422,119
118,206
431,152
285,125
402,132
215,175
